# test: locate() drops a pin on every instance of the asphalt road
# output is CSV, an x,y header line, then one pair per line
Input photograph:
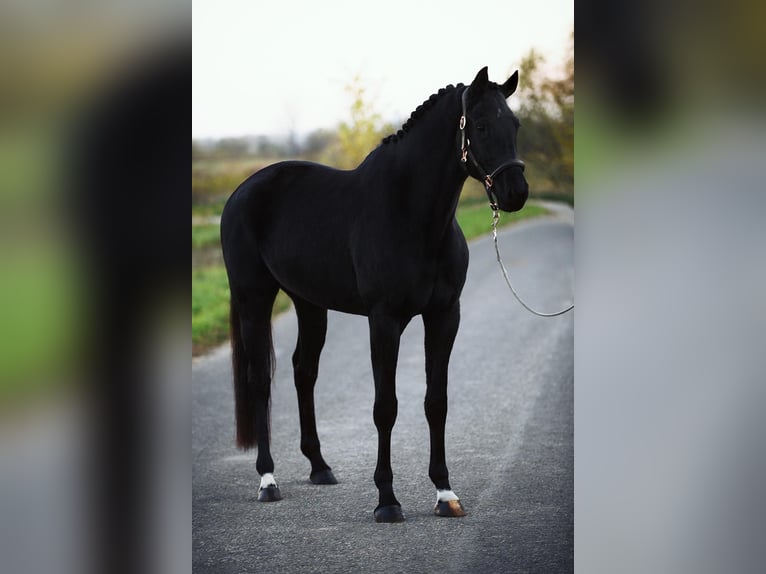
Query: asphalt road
x,y
509,438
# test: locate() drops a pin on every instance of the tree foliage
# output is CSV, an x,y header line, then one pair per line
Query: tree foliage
x,y
362,133
546,140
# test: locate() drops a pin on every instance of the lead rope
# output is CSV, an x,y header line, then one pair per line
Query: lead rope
x,y
495,219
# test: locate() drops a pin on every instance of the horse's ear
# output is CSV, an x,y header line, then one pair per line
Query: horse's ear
x,y
480,82
510,85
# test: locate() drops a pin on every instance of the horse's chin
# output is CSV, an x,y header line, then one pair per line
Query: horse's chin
x,y
512,202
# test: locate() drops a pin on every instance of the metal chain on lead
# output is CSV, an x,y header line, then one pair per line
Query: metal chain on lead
x,y
495,219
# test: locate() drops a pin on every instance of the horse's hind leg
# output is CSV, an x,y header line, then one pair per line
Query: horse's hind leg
x,y
440,330
312,327
253,385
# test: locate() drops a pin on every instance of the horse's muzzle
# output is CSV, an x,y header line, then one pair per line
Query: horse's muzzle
x,y
511,189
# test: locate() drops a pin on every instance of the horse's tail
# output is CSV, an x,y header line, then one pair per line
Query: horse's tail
x,y
246,397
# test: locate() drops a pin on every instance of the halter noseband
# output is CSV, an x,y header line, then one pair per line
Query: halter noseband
x,y
466,154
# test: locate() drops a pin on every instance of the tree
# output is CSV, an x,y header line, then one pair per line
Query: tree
x,y
561,92
364,131
547,116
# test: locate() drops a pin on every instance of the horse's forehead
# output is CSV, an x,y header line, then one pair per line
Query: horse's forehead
x,y
502,111
497,107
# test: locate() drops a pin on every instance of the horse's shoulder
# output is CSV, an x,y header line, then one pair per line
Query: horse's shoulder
x,y
456,238
456,251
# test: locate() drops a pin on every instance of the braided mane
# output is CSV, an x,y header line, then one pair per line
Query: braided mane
x,y
419,112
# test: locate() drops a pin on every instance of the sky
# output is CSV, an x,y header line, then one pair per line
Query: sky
x,y
279,66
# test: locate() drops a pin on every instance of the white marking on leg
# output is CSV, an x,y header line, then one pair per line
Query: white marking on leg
x,y
268,480
445,495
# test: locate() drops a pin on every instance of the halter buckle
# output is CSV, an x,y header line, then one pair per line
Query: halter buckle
x,y
488,181
464,157
462,123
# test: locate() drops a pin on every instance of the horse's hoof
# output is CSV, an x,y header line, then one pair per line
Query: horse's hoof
x,y
269,494
391,513
449,508
323,477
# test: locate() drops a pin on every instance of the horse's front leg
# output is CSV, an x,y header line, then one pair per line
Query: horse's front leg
x,y
440,330
385,332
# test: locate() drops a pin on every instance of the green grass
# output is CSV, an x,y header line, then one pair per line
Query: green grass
x,y
208,208
208,235
475,218
210,308
210,288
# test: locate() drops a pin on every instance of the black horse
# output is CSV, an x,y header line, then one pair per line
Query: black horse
x,y
380,240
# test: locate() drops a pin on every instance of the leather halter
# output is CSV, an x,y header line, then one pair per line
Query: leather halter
x,y
467,154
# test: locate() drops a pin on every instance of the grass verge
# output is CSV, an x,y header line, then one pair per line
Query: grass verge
x,y
208,235
210,308
475,218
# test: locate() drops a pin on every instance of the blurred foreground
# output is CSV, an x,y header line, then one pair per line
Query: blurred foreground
x,y
93,329
669,367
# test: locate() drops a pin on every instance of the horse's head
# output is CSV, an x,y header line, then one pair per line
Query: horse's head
x,y
488,140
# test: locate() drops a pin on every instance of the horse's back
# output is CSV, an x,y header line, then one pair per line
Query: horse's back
x,y
296,218
279,186
282,195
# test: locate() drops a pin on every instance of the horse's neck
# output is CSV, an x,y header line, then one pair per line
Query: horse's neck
x,y
428,161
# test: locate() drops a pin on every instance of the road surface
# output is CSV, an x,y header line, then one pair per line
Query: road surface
x,y
509,438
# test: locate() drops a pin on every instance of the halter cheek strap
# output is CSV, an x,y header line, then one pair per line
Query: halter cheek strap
x,y
466,154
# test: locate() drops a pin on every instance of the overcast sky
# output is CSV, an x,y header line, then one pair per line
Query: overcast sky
x,y
275,66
